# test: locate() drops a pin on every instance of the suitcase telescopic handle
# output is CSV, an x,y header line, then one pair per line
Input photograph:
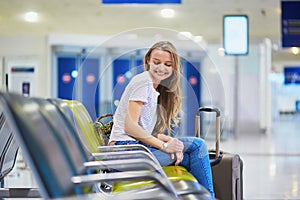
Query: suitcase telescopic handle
x,y
218,113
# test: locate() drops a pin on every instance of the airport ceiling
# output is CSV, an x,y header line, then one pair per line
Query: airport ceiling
x,y
200,17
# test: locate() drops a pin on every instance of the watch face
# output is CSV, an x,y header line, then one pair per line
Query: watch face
x,y
165,145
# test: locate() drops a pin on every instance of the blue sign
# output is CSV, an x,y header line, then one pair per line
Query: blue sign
x,y
290,23
291,75
297,106
141,1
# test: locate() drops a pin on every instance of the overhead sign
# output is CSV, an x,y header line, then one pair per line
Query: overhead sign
x,y
290,23
141,1
291,75
22,69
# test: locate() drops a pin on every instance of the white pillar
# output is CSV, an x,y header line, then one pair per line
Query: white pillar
x,y
265,112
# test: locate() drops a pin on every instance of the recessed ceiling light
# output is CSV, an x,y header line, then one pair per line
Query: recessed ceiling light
x,y
31,16
295,50
167,13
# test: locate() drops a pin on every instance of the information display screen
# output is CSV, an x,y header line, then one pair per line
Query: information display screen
x,y
236,34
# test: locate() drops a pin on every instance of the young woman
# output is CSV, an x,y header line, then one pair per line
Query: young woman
x,y
150,102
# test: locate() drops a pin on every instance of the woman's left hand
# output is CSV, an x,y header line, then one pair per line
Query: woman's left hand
x,y
179,157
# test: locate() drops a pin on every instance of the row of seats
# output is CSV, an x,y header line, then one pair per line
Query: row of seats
x,y
9,148
64,151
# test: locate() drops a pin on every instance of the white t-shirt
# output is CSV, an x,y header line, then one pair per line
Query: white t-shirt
x,y
140,88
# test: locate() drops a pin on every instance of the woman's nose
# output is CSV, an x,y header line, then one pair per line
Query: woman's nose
x,y
161,66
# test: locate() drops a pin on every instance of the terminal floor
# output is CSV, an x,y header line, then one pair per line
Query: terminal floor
x,y
271,161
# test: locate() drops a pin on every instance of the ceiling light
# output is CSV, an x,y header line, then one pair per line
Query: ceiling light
x,y
167,13
295,50
31,16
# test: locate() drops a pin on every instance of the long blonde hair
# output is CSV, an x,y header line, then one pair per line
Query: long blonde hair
x,y
170,98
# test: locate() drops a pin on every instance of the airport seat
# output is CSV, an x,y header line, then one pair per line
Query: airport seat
x,y
9,148
59,166
180,177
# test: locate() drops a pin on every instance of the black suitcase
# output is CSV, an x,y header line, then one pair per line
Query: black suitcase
x,y
227,168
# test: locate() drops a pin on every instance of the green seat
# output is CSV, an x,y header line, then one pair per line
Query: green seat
x,y
174,173
177,173
85,123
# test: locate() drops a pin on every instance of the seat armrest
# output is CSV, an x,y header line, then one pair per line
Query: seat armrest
x,y
126,176
126,165
124,148
125,155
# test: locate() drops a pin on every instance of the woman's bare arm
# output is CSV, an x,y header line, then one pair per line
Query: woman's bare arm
x,y
132,127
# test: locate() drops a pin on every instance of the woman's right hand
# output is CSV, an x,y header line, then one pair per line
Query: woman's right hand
x,y
174,146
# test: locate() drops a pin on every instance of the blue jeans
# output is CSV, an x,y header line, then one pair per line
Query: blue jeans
x,y
195,160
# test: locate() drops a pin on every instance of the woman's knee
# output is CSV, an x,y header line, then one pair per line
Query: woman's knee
x,y
200,142
193,143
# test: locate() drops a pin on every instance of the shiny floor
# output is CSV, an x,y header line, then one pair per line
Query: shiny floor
x,y
271,161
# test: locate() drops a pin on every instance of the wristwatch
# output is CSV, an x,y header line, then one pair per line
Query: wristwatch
x,y
165,146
